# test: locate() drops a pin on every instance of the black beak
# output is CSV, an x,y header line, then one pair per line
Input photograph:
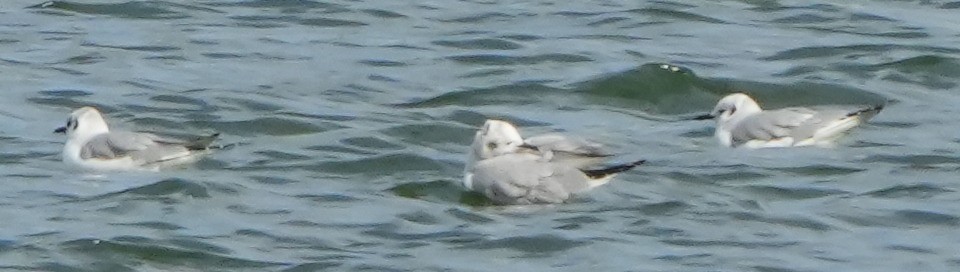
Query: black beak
x,y
703,117
61,130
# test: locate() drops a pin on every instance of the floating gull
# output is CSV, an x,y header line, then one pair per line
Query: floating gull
x,y
91,145
741,122
543,169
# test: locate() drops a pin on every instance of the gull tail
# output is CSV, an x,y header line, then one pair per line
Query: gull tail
x,y
605,172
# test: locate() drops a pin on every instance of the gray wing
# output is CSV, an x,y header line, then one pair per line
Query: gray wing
x,y
768,125
575,151
142,147
524,179
799,123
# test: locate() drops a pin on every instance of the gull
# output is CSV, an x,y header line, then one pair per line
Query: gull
x,y
91,145
541,170
742,123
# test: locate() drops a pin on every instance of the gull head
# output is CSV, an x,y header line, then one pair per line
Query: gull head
x,y
729,112
733,106
494,139
84,123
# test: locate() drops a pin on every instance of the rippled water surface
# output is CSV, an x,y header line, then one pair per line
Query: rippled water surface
x,y
352,119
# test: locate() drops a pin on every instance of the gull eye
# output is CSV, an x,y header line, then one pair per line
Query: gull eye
x,y
492,145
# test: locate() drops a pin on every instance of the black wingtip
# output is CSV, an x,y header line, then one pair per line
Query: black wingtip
x,y
868,111
599,173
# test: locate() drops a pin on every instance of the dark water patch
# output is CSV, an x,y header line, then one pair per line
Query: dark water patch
x,y
89,58
339,149
535,245
385,14
129,10
866,17
281,4
66,93
223,55
135,250
912,160
244,209
480,18
652,88
918,217
819,170
512,94
736,175
272,126
567,13
912,191
251,104
440,191
666,208
504,60
154,225
282,156
802,93
608,37
394,232
144,48
330,22
607,21
951,5
487,73
328,198
805,223
833,51
680,16
371,143
166,57
21,158
471,217
383,165
910,249
889,34
934,71
782,193
480,44
806,18
157,190
419,217
728,243
522,37
430,134
382,63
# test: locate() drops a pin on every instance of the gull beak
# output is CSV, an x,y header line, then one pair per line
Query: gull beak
x,y
62,130
706,116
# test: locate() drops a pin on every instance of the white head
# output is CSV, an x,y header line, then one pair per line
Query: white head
x,y
494,139
729,112
84,123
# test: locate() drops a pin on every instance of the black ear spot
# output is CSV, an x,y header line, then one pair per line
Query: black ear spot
x,y
492,145
732,110
75,124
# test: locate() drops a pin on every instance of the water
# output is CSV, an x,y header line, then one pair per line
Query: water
x,y
353,119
